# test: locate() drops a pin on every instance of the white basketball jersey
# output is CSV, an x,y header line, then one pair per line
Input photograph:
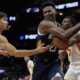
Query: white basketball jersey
x,y
74,54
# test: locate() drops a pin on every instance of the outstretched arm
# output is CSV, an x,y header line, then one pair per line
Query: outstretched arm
x,y
12,51
23,53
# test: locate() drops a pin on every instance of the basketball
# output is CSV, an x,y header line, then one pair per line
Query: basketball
x,y
59,43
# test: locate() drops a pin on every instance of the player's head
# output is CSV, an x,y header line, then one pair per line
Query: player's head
x,y
68,22
3,21
48,9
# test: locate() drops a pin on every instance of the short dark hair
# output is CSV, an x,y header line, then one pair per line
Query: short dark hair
x,y
48,3
2,14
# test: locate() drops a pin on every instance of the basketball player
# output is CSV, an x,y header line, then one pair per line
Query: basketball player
x,y
68,22
9,48
73,72
73,52
47,25
46,65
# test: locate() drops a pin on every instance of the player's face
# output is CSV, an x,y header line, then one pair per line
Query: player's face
x,y
66,23
49,11
3,24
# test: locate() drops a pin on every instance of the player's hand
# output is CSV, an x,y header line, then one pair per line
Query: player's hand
x,y
42,48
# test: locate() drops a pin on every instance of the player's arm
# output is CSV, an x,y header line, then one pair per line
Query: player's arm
x,y
12,51
62,54
67,33
72,31
74,39
49,27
